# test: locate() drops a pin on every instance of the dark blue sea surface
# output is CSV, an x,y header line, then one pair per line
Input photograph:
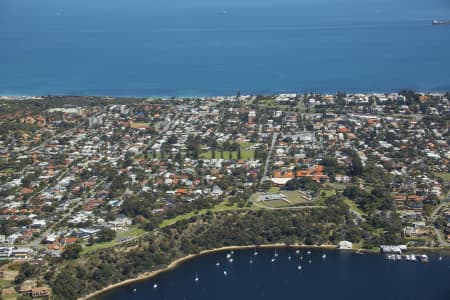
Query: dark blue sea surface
x,y
341,275
216,47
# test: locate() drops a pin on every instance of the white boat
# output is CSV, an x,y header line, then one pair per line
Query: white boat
x,y
196,278
255,253
217,263
441,22
440,258
228,255
324,256
272,260
299,267
230,260
309,252
289,257
297,251
275,254
301,257
134,290
309,261
398,257
408,257
225,273
251,261
155,286
413,257
424,258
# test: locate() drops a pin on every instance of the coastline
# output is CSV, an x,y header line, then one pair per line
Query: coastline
x,y
42,96
177,262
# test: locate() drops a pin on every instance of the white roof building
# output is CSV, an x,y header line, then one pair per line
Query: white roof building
x,y
345,245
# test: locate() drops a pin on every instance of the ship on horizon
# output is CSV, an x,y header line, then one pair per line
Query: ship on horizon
x,y
441,22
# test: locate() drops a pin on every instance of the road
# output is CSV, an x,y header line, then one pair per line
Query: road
x,y
266,167
358,215
435,212
434,215
441,238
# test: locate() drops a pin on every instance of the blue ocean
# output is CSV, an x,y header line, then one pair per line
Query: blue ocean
x,y
340,275
217,47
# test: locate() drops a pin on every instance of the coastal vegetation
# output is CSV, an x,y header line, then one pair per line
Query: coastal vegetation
x,y
95,270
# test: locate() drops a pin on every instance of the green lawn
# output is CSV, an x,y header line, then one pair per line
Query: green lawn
x,y
295,197
223,206
168,222
335,186
139,124
276,203
266,102
98,246
274,189
4,284
246,154
132,232
352,205
444,175
245,145
324,193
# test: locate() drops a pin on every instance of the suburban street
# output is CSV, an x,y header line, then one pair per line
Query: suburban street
x,y
266,166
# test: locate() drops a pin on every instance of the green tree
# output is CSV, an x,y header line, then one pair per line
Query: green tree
x,y
357,167
106,235
26,270
72,251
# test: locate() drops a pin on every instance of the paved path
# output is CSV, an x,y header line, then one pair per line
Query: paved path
x,y
441,237
435,212
357,214
434,215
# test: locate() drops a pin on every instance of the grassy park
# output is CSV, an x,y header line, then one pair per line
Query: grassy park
x,y
246,153
223,206
352,205
293,198
443,175
140,125
134,231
